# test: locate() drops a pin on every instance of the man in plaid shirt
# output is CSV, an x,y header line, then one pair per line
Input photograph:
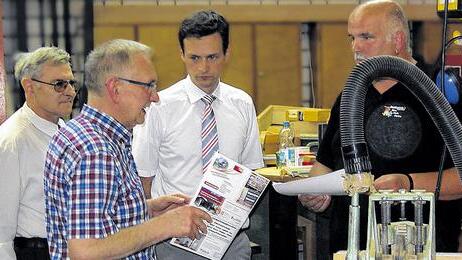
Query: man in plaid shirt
x,y
95,205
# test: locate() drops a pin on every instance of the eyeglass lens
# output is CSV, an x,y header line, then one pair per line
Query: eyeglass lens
x,y
60,85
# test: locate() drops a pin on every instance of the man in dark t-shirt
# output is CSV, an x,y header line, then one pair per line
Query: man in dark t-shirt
x,y
401,137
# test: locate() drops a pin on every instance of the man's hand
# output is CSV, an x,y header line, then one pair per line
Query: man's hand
x,y
183,221
186,221
163,204
392,182
316,203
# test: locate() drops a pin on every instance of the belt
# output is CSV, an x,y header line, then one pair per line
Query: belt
x,y
33,242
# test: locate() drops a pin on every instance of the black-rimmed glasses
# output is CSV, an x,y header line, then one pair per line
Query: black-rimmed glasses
x,y
60,85
151,85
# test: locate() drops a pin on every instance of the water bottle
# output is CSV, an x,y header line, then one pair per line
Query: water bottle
x,y
286,136
285,156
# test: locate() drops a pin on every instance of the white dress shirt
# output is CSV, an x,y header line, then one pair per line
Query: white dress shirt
x,y
168,145
24,139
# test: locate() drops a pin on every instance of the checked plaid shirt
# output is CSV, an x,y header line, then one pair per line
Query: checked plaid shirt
x,y
92,189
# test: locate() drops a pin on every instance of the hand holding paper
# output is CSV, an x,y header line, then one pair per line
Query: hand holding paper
x,y
315,203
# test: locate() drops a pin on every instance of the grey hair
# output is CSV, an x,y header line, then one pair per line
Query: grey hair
x,y
111,57
29,64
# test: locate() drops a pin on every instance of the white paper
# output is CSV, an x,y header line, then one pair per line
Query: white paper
x,y
329,184
228,192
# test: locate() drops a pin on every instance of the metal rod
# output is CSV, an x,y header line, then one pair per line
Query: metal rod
x,y
353,228
418,219
385,207
402,210
402,216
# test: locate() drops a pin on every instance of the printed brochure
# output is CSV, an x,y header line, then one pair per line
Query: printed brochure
x,y
228,192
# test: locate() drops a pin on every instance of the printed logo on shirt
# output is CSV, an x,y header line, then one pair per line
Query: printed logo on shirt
x,y
393,131
393,111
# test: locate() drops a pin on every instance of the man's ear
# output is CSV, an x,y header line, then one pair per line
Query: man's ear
x,y
227,54
400,41
182,55
27,85
113,89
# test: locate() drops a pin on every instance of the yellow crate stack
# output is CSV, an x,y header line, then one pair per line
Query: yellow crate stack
x,y
304,120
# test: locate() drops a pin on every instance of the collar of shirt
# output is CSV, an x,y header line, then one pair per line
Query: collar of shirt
x,y
43,125
109,126
195,93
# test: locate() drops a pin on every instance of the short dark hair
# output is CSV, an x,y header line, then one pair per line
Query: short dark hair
x,y
204,23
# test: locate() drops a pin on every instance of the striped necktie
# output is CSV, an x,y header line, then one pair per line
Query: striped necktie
x,y
209,134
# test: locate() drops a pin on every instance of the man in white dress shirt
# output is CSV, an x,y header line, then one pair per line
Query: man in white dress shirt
x,y
168,146
48,82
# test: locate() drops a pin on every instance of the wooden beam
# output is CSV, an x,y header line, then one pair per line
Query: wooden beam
x,y
149,14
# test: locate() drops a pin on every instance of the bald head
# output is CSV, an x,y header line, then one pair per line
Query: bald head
x,y
379,28
391,16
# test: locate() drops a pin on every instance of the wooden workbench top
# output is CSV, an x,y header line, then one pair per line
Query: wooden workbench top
x,y
275,175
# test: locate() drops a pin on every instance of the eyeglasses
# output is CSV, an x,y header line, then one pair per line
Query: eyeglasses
x,y
151,85
60,85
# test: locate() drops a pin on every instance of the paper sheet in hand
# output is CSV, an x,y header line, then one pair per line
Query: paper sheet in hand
x,y
330,184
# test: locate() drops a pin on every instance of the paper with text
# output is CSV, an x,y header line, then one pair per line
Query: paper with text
x,y
228,191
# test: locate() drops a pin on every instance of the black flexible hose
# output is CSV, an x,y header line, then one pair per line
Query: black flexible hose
x,y
354,148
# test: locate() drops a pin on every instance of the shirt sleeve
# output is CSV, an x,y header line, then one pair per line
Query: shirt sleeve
x,y
252,156
325,154
146,140
93,194
9,201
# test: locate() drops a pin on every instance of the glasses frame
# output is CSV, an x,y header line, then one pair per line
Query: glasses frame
x,y
152,85
59,89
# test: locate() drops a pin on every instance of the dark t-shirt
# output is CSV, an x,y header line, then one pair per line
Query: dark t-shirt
x,y
401,138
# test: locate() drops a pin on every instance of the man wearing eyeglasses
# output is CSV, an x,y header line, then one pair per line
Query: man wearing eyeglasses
x,y
180,134
49,86
96,208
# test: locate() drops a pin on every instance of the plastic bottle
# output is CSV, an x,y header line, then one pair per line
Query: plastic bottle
x,y
291,135
285,156
286,136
